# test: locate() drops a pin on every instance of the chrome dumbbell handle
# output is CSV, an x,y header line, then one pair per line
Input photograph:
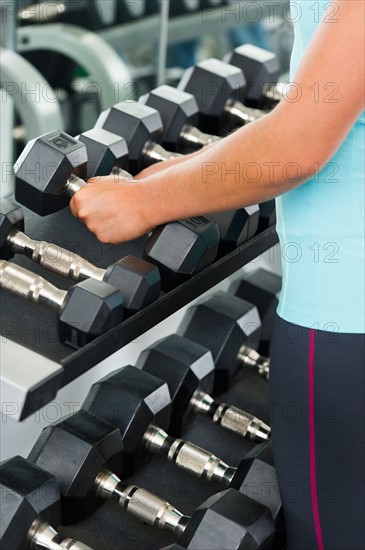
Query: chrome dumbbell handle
x,y
54,257
140,503
188,457
30,286
231,418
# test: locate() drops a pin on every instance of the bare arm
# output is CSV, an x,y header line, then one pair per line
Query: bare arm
x,y
258,162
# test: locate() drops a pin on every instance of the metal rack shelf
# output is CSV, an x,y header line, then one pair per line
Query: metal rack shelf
x,y
35,365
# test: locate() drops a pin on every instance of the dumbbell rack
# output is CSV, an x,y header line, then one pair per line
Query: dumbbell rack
x,y
29,330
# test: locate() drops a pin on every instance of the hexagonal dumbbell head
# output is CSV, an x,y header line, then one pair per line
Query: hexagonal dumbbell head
x,y
105,151
43,169
177,109
180,116
222,323
182,249
236,227
90,308
11,218
138,280
75,450
130,400
260,68
213,83
263,288
138,124
27,494
186,367
229,520
256,477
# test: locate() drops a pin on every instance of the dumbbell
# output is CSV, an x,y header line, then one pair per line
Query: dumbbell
x,y
137,280
89,478
141,127
30,505
191,374
84,311
132,399
180,115
261,287
218,88
230,328
54,166
261,69
138,403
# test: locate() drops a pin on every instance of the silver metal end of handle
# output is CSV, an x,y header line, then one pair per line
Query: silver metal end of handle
x,y
242,423
243,115
193,136
250,358
43,536
275,93
121,173
73,185
30,286
153,152
154,439
202,402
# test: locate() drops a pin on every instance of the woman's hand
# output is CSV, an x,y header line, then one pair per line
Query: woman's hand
x,y
113,209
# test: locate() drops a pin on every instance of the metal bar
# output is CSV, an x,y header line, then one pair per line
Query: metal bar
x,y
162,46
187,27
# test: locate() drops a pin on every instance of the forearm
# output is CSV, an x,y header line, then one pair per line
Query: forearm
x,y
254,164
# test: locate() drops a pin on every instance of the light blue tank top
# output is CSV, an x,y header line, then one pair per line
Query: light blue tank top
x,y
321,223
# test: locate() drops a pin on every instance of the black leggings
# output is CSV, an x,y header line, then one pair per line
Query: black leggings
x,y
317,394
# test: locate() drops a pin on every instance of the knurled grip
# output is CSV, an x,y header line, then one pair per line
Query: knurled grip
x,y
30,286
64,262
193,459
151,509
240,422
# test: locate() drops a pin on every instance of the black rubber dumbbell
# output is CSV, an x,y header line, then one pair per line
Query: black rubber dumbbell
x,y
261,287
137,280
141,127
89,478
133,400
138,403
230,328
107,153
51,169
261,69
84,311
180,116
179,112
190,372
267,214
219,89
30,507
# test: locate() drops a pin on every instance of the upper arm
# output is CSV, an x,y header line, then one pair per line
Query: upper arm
x,y
330,80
